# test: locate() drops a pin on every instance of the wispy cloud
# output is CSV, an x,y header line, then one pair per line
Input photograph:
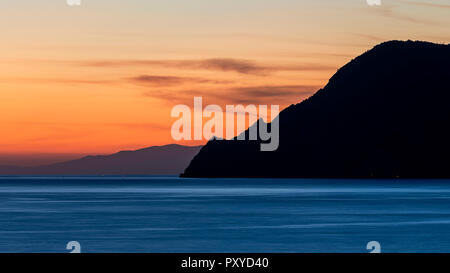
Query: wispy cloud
x,y
218,64
282,93
155,80
273,94
62,81
240,66
235,65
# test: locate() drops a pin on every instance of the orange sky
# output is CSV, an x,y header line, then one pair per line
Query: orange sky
x,y
104,76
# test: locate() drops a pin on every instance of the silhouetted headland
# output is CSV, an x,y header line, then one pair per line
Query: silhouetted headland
x,y
385,114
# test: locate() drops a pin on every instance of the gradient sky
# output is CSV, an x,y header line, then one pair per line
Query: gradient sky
x,y
104,76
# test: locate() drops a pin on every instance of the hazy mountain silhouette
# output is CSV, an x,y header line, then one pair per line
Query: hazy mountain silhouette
x,y
384,114
158,160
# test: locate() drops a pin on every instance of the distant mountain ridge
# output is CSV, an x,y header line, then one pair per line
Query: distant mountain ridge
x,y
385,114
157,160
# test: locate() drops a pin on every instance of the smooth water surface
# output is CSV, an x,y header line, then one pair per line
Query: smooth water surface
x,y
168,214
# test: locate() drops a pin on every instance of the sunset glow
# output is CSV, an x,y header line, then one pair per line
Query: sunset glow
x,y
104,76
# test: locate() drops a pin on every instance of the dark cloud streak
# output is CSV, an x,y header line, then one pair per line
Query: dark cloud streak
x,y
153,80
388,10
426,4
217,64
282,94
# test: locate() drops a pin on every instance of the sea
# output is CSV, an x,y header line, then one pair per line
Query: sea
x,y
155,214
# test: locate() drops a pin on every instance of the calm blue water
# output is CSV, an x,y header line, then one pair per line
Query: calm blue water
x,y
167,214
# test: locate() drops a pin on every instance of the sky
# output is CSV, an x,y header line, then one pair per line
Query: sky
x,y
103,76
